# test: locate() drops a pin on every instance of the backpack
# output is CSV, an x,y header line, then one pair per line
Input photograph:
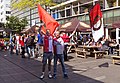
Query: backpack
x,y
28,41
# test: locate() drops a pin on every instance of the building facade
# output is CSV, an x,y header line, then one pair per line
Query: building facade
x,y
4,10
79,8
30,13
69,9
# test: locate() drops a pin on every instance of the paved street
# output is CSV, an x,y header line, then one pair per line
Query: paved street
x,y
14,69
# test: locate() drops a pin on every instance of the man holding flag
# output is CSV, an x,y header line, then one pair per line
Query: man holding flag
x,y
96,21
51,26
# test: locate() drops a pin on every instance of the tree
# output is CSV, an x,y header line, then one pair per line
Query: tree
x,y
32,3
14,23
1,24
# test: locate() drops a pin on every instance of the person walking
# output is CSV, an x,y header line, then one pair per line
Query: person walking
x,y
23,47
39,43
28,45
58,54
47,53
17,44
33,45
66,40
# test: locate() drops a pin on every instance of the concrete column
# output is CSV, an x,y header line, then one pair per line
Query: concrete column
x,y
117,35
106,32
78,8
65,13
117,2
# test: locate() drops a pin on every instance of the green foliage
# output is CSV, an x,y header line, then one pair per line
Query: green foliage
x,y
1,24
16,24
31,3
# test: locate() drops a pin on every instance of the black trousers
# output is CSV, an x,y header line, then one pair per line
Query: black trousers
x,y
23,51
65,53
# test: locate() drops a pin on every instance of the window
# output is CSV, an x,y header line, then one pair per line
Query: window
x,y
1,6
2,19
68,12
8,12
55,15
7,5
1,13
1,0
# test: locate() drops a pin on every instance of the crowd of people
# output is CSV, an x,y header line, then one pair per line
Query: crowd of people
x,y
4,45
103,43
53,48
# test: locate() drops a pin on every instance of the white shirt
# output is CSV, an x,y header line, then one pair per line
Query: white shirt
x,y
59,46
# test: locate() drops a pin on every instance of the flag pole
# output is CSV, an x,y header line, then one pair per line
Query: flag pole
x,y
74,30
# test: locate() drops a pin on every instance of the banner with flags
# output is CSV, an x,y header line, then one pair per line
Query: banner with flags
x,y
96,22
49,22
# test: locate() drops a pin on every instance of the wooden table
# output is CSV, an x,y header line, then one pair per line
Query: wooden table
x,y
115,59
92,50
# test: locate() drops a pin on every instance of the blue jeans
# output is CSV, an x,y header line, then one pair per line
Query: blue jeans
x,y
46,56
61,59
11,48
29,50
17,49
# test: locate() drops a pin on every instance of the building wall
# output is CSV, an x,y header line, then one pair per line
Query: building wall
x,y
4,10
31,14
72,8
79,8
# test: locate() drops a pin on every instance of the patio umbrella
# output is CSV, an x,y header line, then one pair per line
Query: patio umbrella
x,y
116,24
25,29
32,29
74,23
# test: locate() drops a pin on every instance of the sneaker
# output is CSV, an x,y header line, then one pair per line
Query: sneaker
x,y
23,56
54,76
49,76
32,57
42,76
65,76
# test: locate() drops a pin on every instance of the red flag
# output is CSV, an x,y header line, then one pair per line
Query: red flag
x,y
96,22
49,22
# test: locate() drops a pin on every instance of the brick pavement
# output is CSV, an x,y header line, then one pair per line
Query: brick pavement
x,y
14,69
